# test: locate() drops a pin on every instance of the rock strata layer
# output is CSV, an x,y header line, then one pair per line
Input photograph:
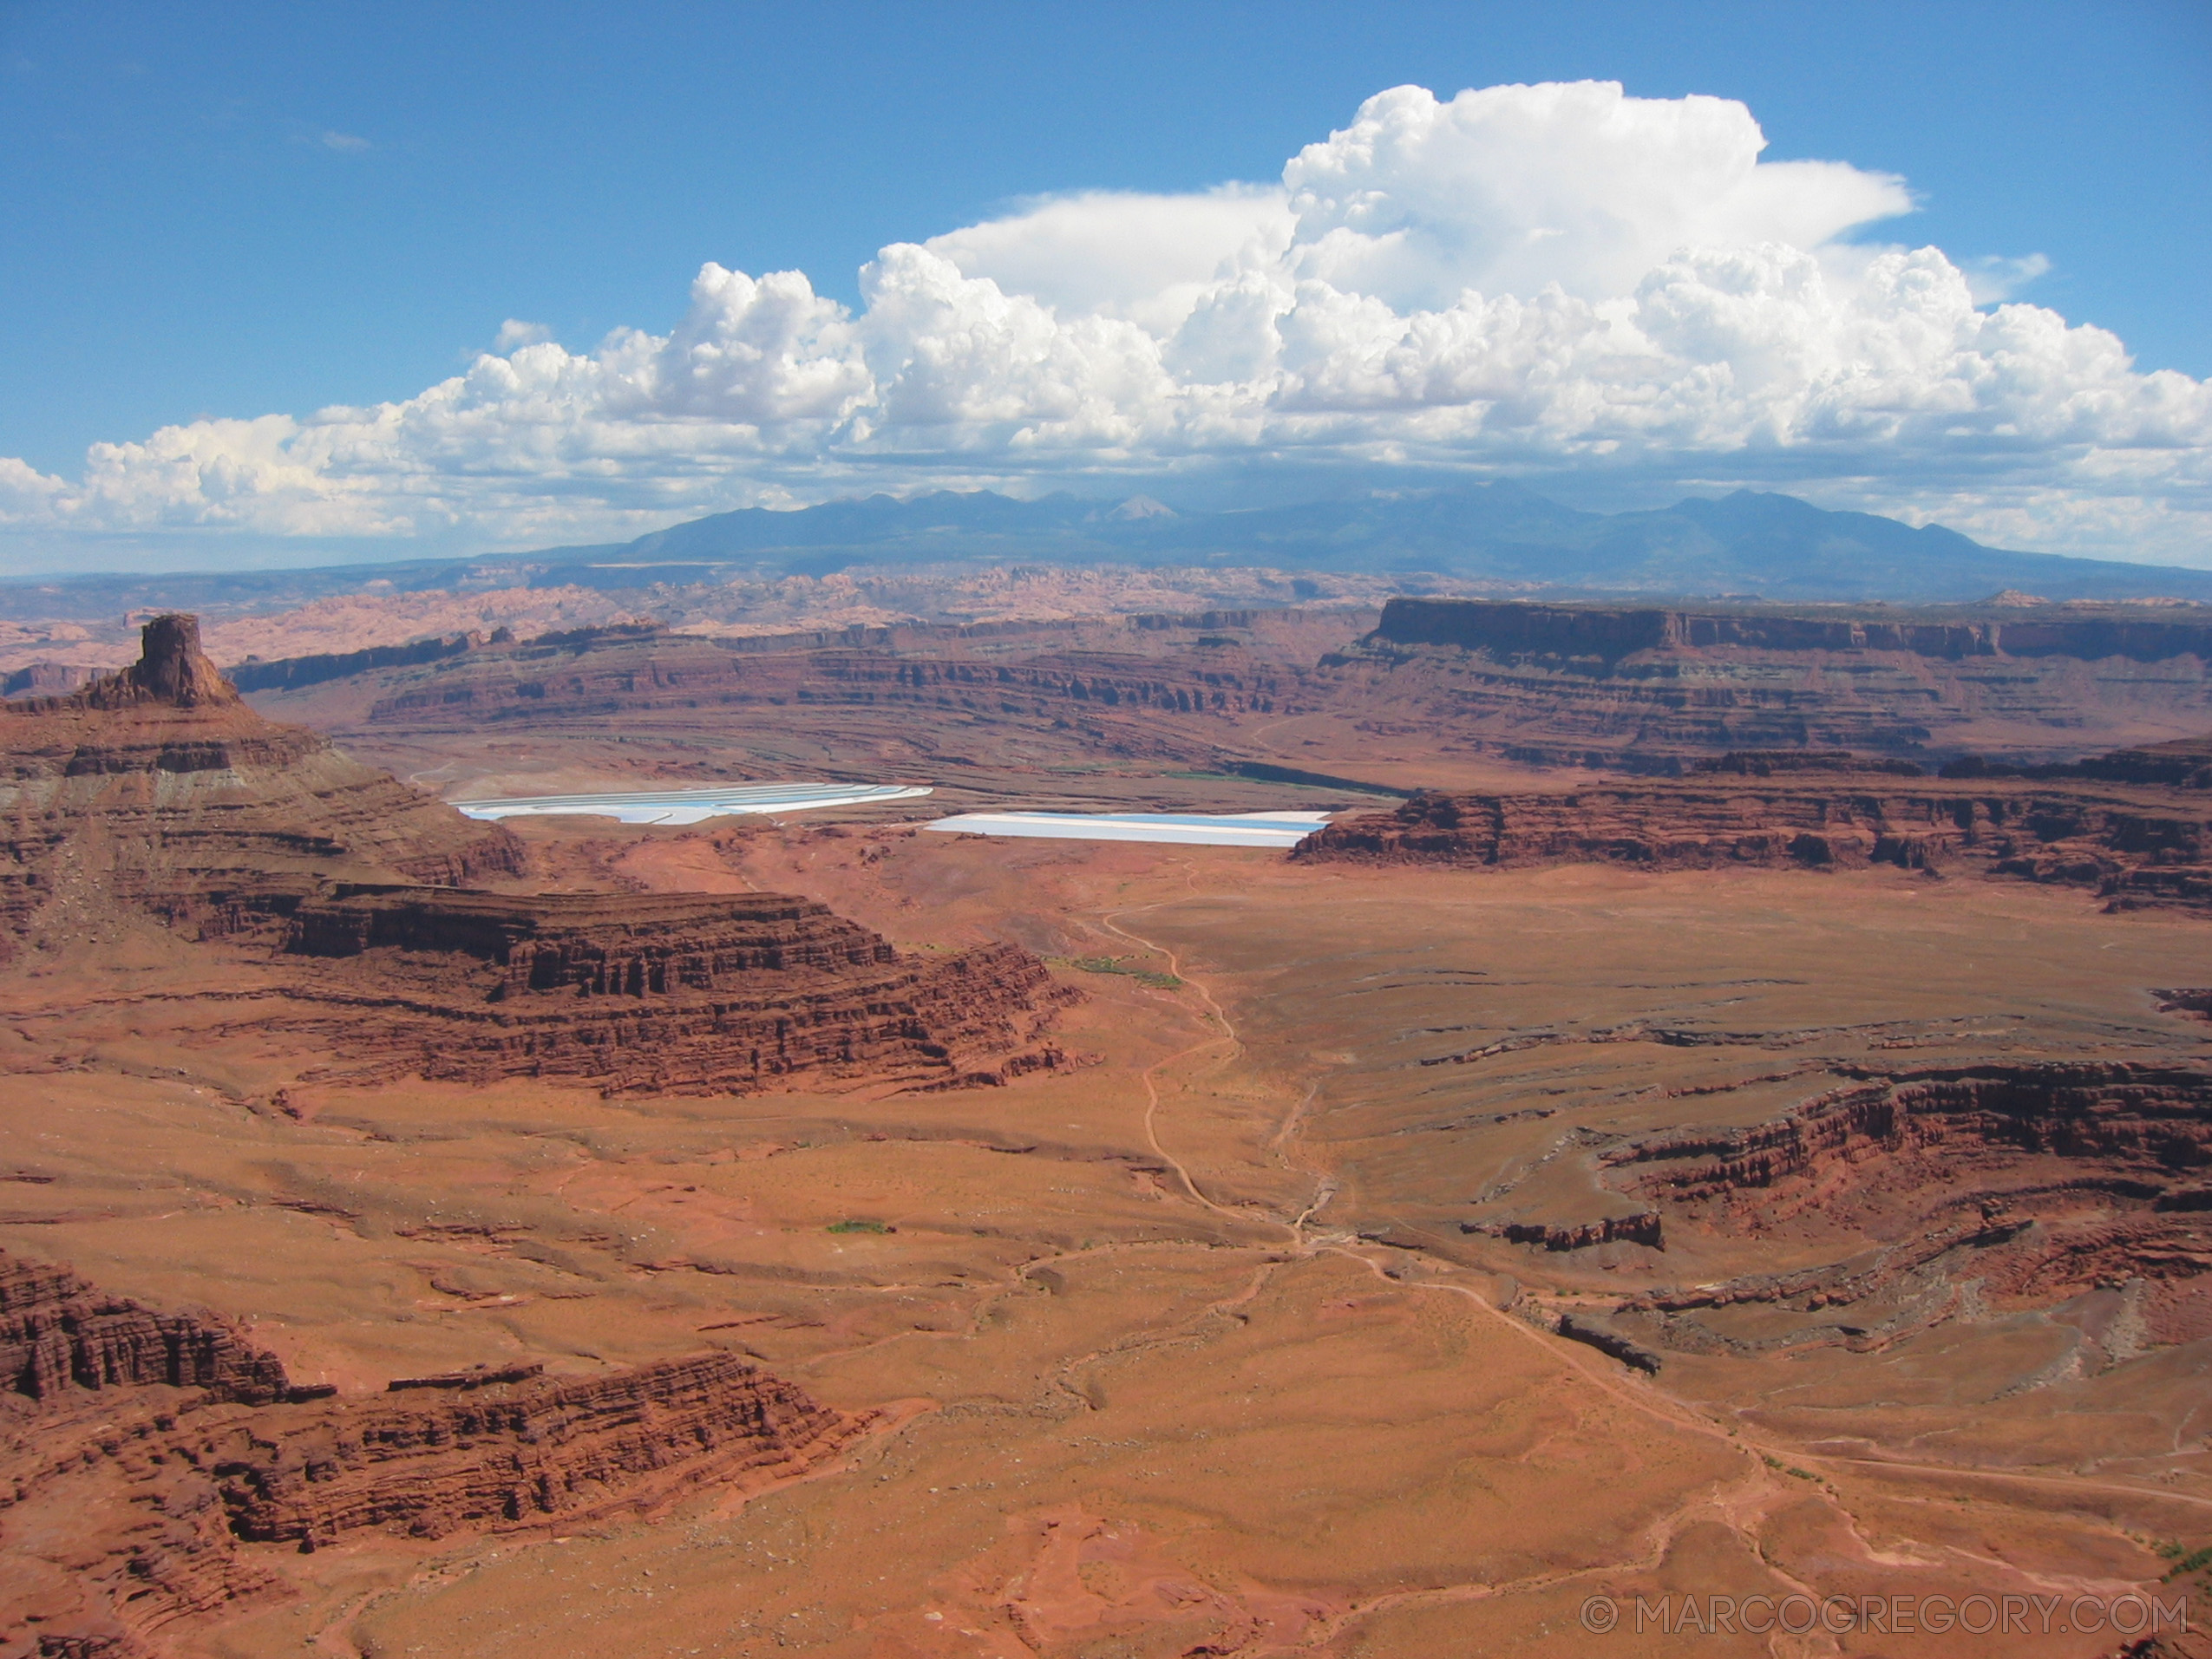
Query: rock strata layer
x,y
1652,689
503,1454
158,788
57,1334
2012,1185
979,669
2137,846
129,1510
2147,1127
686,992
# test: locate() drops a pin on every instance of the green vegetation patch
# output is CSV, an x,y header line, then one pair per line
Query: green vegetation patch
x,y
860,1226
2186,1561
1119,965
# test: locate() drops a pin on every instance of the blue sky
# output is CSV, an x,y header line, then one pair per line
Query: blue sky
x,y
220,214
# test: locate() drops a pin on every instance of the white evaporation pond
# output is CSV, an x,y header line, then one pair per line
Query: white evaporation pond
x,y
691,805
1182,829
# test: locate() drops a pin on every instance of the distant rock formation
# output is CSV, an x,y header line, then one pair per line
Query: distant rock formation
x,y
984,671
129,1486
1580,631
2137,846
47,679
159,788
1653,690
685,992
2184,764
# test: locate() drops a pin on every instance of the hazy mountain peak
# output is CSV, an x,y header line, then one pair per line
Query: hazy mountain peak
x,y
1141,506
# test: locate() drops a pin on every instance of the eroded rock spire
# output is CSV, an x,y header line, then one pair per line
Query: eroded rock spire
x,y
171,669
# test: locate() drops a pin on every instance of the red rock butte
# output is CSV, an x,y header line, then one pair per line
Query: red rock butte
x,y
682,992
159,788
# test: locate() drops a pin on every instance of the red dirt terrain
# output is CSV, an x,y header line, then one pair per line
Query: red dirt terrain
x,y
1764,1172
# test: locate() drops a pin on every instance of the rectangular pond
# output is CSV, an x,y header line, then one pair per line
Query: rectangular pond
x,y
689,806
1180,829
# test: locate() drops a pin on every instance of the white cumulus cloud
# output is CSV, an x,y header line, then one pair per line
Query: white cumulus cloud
x,y
1535,280
516,332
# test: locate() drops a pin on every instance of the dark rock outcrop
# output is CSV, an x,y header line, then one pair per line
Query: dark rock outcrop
x,y
1644,1229
58,1334
2184,764
1593,1332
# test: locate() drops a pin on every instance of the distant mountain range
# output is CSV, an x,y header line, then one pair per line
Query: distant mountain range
x,y
1746,545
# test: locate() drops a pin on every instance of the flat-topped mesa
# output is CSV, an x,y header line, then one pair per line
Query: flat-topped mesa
x,y
159,788
2138,845
634,943
1652,689
667,992
506,1454
1513,627
994,671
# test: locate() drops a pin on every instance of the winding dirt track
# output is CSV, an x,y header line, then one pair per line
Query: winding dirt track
x,y
1740,1507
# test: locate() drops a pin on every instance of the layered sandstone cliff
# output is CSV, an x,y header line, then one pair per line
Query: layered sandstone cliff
x,y
904,699
57,1332
1063,669
2138,846
2016,1185
129,1500
159,788
2147,1127
684,991
505,1454
1652,689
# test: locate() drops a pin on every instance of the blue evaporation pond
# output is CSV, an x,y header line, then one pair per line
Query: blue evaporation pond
x,y
1179,829
689,806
